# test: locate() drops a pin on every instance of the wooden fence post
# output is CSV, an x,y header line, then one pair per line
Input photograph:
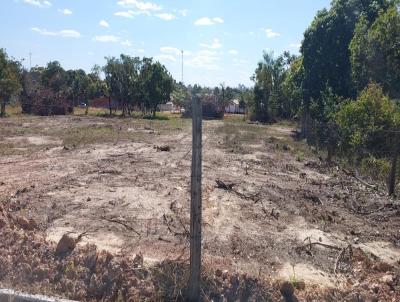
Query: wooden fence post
x,y
195,204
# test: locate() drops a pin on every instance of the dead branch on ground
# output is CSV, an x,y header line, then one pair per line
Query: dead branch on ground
x,y
230,188
112,220
352,174
169,226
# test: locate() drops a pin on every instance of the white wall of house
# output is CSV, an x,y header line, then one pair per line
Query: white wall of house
x,y
233,107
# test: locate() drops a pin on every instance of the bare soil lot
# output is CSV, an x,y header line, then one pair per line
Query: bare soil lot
x,y
288,217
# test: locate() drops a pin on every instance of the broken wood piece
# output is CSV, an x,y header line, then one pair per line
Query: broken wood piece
x,y
165,148
224,186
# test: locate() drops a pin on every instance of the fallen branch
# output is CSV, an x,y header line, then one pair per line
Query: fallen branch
x,y
311,244
352,174
229,187
121,223
176,234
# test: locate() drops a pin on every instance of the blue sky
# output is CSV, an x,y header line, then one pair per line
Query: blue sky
x,y
222,39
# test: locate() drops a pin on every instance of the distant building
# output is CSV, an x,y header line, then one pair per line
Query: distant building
x,y
234,107
167,107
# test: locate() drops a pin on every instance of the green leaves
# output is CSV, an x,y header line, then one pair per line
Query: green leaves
x,y
375,52
10,73
366,125
138,82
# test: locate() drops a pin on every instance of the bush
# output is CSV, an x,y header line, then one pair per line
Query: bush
x,y
376,168
45,103
366,125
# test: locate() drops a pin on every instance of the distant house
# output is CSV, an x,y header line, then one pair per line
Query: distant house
x,y
234,107
168,107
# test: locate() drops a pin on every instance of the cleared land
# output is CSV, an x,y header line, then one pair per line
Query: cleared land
x,y
288,216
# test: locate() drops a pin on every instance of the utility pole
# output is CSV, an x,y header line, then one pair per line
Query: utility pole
x,y
195,203
182,65
30,60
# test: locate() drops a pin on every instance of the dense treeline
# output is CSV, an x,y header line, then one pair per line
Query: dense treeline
x,y
51,90
345,85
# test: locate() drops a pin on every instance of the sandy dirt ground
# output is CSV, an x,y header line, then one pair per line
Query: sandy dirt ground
x,y
113,182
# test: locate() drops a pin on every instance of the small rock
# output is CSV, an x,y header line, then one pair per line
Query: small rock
x,y
388,279
88,199
356,240
301,285
66,245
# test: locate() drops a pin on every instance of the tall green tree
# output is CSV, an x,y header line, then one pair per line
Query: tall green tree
x,y
10,72
157,84
375,52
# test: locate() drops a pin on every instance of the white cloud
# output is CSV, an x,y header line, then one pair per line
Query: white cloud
x,y
233,52
65,33
143,6
131,14
104,23
107,39
216,44
139,50
208,21
127,14
126,43
270,33
38,3
183,12
165,58
170,50
166,16
65,11
204,59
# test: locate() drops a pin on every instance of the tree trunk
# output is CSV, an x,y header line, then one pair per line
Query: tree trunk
x,y
393,170
154,112
3,108
109,105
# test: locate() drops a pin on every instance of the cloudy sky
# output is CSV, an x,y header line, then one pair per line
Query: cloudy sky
x,y
222,40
